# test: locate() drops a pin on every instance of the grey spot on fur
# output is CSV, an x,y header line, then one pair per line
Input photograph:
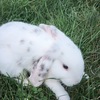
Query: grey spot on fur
x,y
22,41
38,59
44,74
62,53
28,49
19,62
47,70
45,57
8,45
39,74
48,58
33,62
39,80
37,30
23,28
34,67
42,67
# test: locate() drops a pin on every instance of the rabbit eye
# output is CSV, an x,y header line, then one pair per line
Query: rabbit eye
x,y
65,66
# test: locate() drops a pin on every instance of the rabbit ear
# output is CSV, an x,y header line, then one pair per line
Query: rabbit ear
x,y
53,31
49,29
39,74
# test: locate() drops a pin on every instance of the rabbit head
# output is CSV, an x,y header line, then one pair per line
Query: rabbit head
x,y
68,65
67,70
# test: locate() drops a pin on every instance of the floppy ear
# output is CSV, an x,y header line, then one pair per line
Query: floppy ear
x,y
39,74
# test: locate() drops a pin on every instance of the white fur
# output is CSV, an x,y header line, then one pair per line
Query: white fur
x,y
21,44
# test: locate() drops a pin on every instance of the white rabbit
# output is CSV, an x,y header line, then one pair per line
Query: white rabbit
x,y
59,59
68,67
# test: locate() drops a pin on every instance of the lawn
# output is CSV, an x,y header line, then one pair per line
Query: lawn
x,y
78,19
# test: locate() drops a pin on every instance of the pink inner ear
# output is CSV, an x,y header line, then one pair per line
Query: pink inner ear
x,y
50,30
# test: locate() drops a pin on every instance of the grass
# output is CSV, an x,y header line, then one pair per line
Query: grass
x,y
80,20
